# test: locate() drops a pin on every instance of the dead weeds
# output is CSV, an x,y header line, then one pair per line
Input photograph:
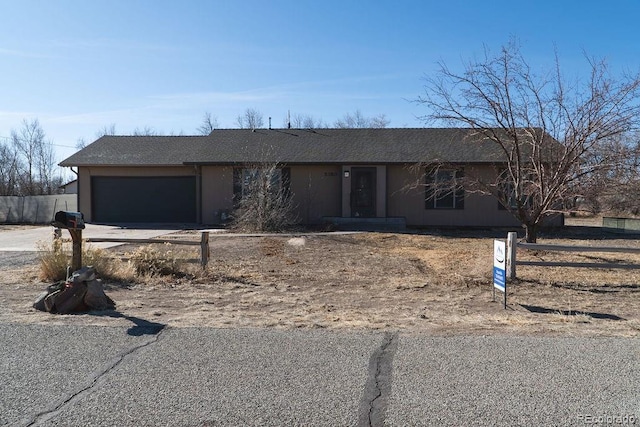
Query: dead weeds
x,y
412,282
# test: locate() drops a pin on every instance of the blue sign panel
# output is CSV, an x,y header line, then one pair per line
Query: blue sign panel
x,y
499,280
499,265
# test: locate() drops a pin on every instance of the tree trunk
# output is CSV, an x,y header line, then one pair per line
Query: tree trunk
x,y
531,233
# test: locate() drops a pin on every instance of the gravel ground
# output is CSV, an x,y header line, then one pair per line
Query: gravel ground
x,y
11,260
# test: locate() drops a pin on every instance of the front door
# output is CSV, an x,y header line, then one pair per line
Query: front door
x,y
363,192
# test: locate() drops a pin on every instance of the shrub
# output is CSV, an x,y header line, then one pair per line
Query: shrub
x,y
146,261
55,259
264,202
149,261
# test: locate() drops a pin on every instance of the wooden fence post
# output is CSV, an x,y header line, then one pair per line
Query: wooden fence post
x,y
76,241
512,243
204,249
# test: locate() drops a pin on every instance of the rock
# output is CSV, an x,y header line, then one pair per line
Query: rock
x,y
95,298
81,292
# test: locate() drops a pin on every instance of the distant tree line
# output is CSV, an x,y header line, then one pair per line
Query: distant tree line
x,y
252,118
27,162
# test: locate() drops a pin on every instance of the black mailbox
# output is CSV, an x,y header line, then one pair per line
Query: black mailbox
x,y
69,220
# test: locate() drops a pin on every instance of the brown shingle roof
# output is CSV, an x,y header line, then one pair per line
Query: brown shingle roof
x,y
292,146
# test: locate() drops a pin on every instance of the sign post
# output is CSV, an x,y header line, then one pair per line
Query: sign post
x,y
499,269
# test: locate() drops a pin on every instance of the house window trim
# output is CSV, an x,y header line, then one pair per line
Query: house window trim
x,y
457,198
239,181
508,188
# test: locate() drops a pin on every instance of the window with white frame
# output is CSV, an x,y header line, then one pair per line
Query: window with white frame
x,y
444,190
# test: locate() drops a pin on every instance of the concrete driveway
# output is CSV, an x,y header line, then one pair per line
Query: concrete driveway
x,y
27,240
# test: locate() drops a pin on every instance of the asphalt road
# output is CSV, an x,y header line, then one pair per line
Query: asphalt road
x,y
148,375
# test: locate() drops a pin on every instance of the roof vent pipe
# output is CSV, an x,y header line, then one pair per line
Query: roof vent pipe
x,y
269,122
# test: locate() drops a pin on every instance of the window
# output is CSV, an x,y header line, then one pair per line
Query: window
x,y
508,194
247,180
443,189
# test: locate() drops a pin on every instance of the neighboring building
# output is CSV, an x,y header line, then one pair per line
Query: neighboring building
x,y
332,173
70,187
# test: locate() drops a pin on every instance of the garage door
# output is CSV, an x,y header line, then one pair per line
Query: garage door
x,y
143,199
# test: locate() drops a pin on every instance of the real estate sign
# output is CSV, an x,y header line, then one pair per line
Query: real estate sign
x,y
499,265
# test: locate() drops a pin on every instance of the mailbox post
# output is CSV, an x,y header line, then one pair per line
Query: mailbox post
x,y
74,222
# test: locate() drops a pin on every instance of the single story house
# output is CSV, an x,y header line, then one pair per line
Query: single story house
x,y
347,174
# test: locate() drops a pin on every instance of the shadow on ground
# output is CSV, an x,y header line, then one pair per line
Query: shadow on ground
x,y
140,326
544,310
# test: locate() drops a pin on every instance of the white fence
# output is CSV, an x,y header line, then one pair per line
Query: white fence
x,y
621,225
35,209
512,261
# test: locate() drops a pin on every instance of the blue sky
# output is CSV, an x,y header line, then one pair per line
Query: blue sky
x,y
81,65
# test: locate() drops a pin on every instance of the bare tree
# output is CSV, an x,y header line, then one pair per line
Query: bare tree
x,y
31,161
109,130
81,143
145,131
379,121
358,120
106,130
547,131
304,121
46,161
27,142
250,119
9,170
263,198
208,125
615,188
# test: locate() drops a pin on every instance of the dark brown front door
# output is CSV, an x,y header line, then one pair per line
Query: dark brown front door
x,y
363,192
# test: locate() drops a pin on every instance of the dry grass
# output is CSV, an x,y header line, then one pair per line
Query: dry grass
x,y
55,261
141,264
438,282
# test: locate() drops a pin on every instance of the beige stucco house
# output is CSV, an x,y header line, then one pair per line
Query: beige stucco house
x,y
333,174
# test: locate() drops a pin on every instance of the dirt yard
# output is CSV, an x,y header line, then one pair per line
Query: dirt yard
x,y
434,281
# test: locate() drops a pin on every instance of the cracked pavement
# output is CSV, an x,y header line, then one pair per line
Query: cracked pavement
x,y
148,375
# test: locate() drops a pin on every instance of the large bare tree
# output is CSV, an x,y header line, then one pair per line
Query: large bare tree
x,y
35,160
552,133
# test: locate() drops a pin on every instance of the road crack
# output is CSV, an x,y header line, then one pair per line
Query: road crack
x,y
44,416
373,405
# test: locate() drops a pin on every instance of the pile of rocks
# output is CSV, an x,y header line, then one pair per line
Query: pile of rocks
x,y
80,292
